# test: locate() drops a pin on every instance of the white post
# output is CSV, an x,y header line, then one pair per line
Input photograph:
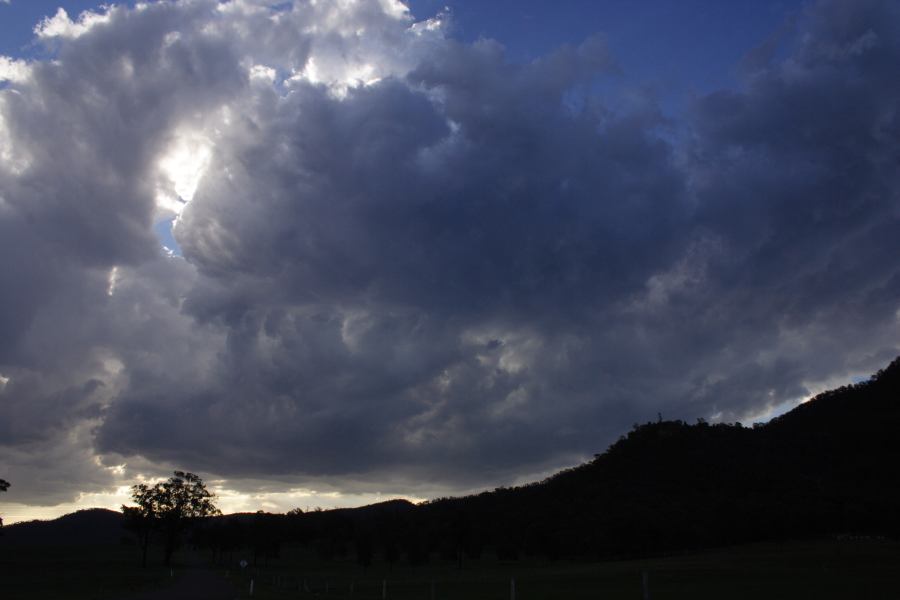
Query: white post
x,y
351,587
512,588
645,581
432,589
251,587
384,589
172,573
327,586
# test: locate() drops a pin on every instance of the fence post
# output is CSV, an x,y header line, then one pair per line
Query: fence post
x,y
384,589
251,587
645,584
512,588
432,589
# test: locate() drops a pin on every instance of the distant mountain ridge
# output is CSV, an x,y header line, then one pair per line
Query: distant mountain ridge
x,y
828,467
89,526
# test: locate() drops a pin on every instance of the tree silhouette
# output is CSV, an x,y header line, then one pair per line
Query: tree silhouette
x,y
4,485
141,519
169,507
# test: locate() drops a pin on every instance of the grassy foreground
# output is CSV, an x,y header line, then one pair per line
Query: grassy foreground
x,y
860,569
75,572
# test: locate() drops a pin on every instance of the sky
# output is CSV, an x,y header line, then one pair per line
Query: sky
x,y
330,253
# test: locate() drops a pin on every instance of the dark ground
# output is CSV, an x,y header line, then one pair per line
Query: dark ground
x,y
866,569
194,583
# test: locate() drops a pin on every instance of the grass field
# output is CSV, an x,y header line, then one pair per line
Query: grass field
x,y
867,569
862,569
74,572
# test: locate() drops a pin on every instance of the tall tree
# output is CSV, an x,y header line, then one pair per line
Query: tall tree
x,y
169,507
141,519
4,485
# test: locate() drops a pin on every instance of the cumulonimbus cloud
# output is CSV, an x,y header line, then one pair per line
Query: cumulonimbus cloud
x,y
408,259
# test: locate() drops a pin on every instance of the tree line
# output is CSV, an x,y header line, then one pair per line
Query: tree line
x,y
827,468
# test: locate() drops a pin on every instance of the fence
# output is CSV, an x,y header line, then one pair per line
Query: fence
x,y
286,585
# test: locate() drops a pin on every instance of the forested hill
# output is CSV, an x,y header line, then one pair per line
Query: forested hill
x,y
91,526
827,468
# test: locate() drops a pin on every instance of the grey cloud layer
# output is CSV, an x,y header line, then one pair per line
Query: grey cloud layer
x,y
458,272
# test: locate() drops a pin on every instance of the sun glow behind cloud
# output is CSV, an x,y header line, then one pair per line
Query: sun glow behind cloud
x,y
182,167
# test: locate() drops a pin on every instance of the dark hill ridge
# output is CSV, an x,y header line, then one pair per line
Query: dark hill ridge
x,y
828,467
91,526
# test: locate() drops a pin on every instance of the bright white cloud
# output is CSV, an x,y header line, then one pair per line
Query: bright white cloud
x,y
60,25
113,280
13,70
13,157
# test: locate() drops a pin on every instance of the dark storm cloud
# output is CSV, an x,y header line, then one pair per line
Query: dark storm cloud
x,y
464,271
796,175
365,254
